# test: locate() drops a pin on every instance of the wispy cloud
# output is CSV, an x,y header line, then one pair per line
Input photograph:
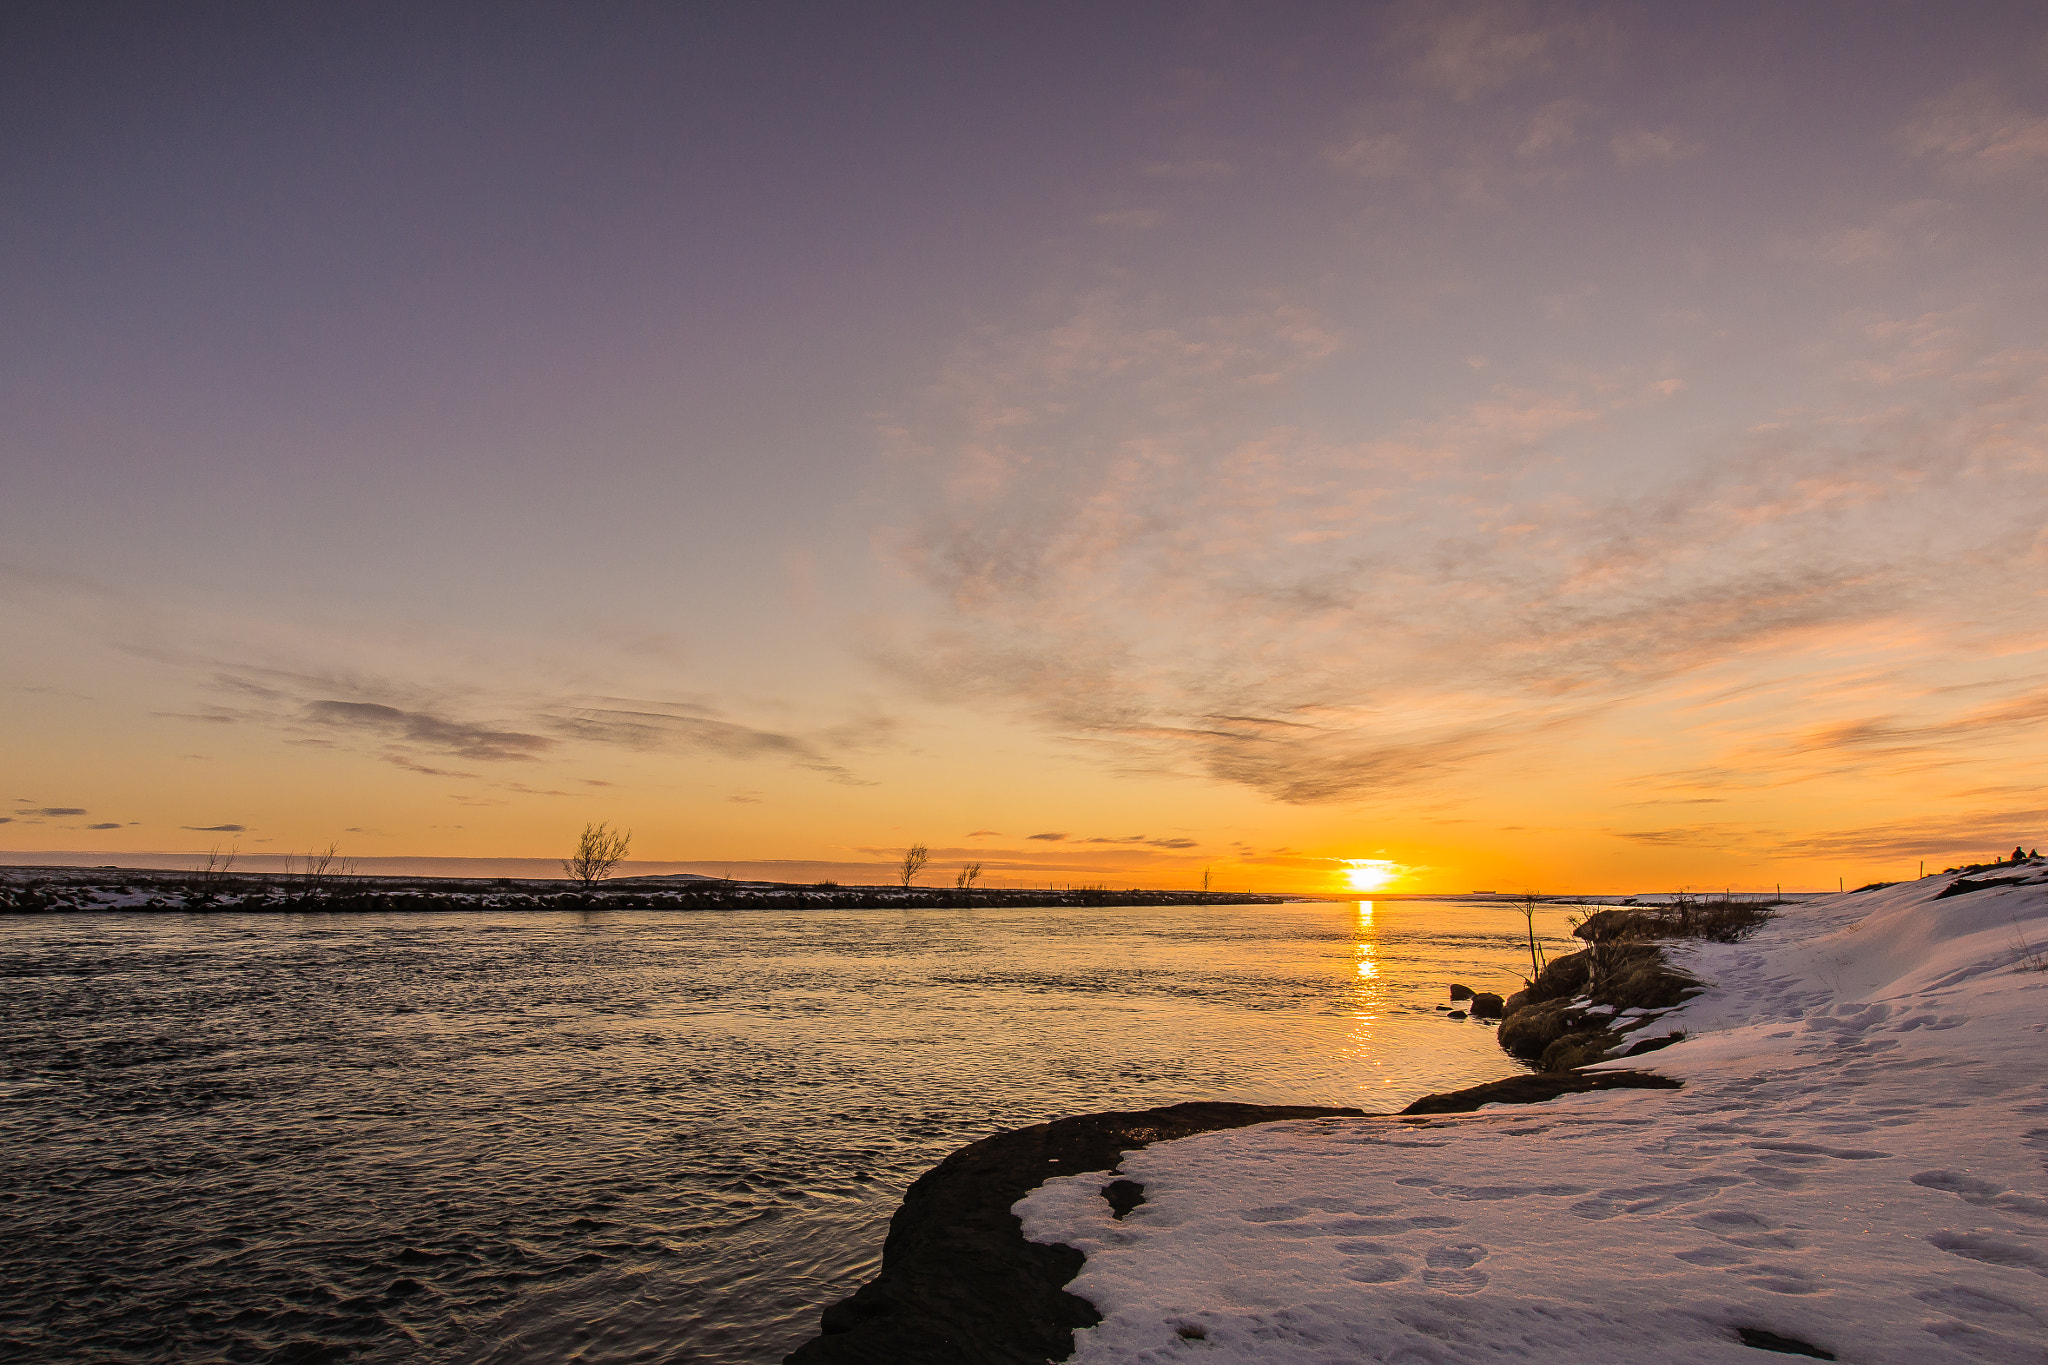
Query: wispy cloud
x,y
1470,49
1126,543
1976,134
441,734
1651,147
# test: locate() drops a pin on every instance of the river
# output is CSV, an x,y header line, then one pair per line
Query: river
x,y
621,1137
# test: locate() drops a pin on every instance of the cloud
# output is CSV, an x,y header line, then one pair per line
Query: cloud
x,y
1190,168
1140,840
1553,127
1128,541
1650,147
1049,838
1913,226
463,739
984,833
106,824
399,760
53,811
1975,134
1371,154
647,729
1467,50
216,829
6,819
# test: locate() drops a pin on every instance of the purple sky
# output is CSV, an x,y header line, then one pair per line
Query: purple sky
x,y
1571,443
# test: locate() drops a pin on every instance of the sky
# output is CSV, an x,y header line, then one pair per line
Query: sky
x,y
1420,446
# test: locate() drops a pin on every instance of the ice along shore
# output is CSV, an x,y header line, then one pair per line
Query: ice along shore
x,y
1842,1157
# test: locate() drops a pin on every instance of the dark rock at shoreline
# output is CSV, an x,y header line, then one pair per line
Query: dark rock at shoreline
x,y
1460,992
1486,1005
1536,1087
1563,1019
1583,1048
1528,1030
959,1282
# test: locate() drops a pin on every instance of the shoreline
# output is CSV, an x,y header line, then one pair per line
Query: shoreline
x,y
60,890
959,1281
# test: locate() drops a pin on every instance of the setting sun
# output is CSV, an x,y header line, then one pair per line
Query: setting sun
x,y
1369,874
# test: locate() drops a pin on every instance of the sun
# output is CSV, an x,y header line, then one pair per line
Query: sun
x,y
1369,874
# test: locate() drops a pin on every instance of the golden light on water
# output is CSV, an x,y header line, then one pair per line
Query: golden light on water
x,y
1369,874
1367,968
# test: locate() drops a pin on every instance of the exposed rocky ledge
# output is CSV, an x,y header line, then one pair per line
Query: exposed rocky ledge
x,y
959,1285
1582,1007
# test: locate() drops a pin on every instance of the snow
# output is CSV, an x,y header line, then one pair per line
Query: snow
x,y
1856,1162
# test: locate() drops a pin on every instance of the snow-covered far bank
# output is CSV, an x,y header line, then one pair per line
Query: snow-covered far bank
x,y
1855,1163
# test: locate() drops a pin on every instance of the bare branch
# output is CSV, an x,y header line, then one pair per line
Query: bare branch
x,y
599,851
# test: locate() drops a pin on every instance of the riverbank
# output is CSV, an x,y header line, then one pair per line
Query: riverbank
x,y
1853,1168
49,890
1842,1157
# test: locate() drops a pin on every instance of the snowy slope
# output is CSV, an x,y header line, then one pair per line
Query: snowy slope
x,y
1856,1161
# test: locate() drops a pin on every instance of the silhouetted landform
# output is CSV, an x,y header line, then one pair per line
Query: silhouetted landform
x,y
59,889
960,1283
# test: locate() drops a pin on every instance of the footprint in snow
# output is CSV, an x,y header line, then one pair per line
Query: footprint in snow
x,y
1373,1263
1455,1269
1781,1279
1744,1229
1977,1246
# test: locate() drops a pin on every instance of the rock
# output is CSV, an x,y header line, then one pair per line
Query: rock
x,y
1577,1049
1536,1088
1636,976
1455,1014
1487,1005
1461,992
1514,1002
1642,1045
1122,1196
1561,978
1531,1029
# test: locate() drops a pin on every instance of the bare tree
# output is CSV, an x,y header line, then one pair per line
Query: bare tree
x,y
212,875
599,852
310,875
1536,958
1205,876
914,859
969,875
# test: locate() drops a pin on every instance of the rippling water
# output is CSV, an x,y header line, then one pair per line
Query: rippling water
x,y
634,1136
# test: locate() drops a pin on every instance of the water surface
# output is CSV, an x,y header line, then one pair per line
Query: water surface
x,y
631,1136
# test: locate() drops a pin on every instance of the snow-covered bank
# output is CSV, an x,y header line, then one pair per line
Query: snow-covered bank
x,y
1856,1162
